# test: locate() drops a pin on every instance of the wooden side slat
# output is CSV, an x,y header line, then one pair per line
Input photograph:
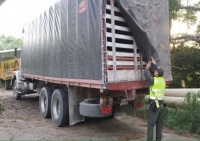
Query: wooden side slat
x,y
126,75
119,36
121,28
126,63
117,18
122,54
109,7
121,45
125,58
126,67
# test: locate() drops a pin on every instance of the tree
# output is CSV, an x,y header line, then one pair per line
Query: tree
x,y
9,42
185,13
186,72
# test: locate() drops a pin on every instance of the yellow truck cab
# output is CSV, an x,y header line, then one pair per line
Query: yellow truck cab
x,y
9,62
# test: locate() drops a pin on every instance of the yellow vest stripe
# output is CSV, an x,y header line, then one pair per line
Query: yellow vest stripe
x,y
158,88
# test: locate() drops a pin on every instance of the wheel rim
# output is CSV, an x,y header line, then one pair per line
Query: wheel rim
x,y
43,102
56,108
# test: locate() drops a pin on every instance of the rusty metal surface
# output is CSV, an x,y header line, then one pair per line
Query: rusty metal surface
x,y
128,85
74,82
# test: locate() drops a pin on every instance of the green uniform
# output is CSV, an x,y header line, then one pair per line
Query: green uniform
x,y
155,118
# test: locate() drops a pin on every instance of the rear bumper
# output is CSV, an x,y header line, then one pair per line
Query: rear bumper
x,y
134,85
129,88
124,86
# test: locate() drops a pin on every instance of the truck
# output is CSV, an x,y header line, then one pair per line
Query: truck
x,y
85,58
9,62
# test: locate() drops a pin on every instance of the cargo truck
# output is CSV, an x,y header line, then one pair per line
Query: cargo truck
x,y
85,57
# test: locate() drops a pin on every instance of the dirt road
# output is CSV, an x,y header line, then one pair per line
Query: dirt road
x,y
21,121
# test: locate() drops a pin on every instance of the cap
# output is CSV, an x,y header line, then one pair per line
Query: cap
x,y
160,71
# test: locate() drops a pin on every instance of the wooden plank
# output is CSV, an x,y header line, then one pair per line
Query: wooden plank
x,y
128,46
115,9
143,63
121,28
121,63
117,18
123,54
126,67
119,36
126,37
113,39
126,75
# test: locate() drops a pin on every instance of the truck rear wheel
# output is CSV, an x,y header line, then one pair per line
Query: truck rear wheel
x,y
45,102
60,108
16,95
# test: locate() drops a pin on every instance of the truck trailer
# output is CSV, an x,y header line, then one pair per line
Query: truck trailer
x,y
84,57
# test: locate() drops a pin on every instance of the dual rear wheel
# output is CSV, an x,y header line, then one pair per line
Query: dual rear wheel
x,y
54,104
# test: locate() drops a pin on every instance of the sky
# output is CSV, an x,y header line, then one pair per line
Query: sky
x,y
15,13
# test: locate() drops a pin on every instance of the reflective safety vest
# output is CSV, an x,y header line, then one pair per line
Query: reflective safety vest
x,y
157,89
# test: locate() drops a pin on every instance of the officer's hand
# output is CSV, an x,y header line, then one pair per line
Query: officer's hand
x,y
148,65
153,61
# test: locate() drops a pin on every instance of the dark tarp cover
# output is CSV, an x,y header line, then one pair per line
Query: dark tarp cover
x,y
64,42
142,10
148,21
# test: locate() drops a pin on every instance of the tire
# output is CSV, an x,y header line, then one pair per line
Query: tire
x,y
60,108
7,85
16,95
45,102
91,110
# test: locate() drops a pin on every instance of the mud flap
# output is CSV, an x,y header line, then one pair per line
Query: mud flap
x,y
75,96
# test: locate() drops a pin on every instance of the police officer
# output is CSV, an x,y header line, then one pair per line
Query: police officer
x,y
156,109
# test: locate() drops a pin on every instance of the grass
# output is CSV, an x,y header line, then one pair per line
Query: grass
x,y
1,107
184,118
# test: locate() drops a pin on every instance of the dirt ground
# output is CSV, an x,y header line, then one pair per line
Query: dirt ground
x,y
21,120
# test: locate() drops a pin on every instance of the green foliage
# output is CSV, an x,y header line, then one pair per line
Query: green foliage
x,y
197,4
1,107
182,118
184,13
189,17
185,118
186,72
142,112
173,8
9,42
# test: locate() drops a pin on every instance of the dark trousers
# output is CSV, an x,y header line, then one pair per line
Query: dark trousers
x,y
155,118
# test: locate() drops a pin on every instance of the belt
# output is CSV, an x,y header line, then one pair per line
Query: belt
x,y
152,100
